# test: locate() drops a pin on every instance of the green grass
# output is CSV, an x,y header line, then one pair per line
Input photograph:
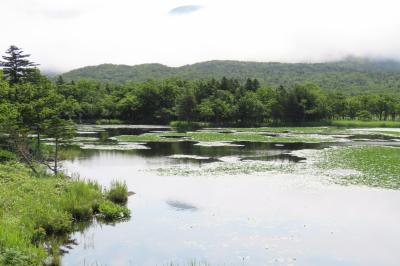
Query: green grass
x,y
392,133
34,208
378,165
363,124
299,130
118,192
212,136
109,122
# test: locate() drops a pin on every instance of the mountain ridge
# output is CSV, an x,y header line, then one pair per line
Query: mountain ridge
x,y
358,74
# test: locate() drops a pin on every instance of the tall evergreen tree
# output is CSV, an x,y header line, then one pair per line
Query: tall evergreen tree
x,y
16,66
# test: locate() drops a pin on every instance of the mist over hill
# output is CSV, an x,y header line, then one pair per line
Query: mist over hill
x,y
352,75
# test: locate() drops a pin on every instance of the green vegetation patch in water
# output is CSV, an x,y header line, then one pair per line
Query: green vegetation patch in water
x,y
212,136
225,168
378,165
301,130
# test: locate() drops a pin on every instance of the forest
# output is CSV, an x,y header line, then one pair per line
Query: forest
x,y
349,76
225,101
32,97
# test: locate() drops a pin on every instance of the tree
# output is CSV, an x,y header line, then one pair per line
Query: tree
x,y
60,81
15,65
186,105
250,109
18,134
61,131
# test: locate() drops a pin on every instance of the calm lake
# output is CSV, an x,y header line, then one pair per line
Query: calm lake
x,y
220,218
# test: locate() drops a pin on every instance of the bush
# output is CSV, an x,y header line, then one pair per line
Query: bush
x,y
118,192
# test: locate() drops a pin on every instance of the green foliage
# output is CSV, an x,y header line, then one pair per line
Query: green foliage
x,y
110,211
186,104
7,156
32,208
16,67
361,124
82,200
350,76
184,126
118,192
222,102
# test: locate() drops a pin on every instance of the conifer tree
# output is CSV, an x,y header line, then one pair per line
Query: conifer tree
x,y
16,66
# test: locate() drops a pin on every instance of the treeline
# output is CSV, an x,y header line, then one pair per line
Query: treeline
x,y
225,101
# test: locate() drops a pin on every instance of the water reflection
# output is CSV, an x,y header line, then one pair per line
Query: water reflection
x,y
181,206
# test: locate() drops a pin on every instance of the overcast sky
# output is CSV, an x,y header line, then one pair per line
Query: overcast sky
x,y
66,34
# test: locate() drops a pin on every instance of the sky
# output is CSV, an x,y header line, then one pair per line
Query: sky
x,y
65,34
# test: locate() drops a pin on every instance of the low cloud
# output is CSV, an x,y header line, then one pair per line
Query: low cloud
x,y
181,10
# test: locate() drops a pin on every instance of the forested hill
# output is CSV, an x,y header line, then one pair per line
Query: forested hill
x,y
353,75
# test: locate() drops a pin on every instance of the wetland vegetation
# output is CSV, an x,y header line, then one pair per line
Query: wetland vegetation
x,y
220,138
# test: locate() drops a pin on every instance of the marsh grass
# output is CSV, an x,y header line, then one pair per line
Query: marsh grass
x,y
212,136
82,200
118,192
109,122
33,208
237,168
379,165
363,124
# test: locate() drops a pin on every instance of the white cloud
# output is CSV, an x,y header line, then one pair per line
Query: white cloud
x,y
65,34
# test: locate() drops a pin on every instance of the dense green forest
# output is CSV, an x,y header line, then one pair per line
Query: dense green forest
x,y
350,76
225,101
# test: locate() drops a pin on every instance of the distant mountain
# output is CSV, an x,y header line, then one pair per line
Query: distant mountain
x,y
352,75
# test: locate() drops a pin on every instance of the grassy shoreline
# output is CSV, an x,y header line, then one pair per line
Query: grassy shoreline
x,y
36,209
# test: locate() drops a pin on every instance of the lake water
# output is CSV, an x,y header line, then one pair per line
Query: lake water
x,y
268,218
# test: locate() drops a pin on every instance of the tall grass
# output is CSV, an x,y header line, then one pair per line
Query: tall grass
x,y
118,192
82,200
